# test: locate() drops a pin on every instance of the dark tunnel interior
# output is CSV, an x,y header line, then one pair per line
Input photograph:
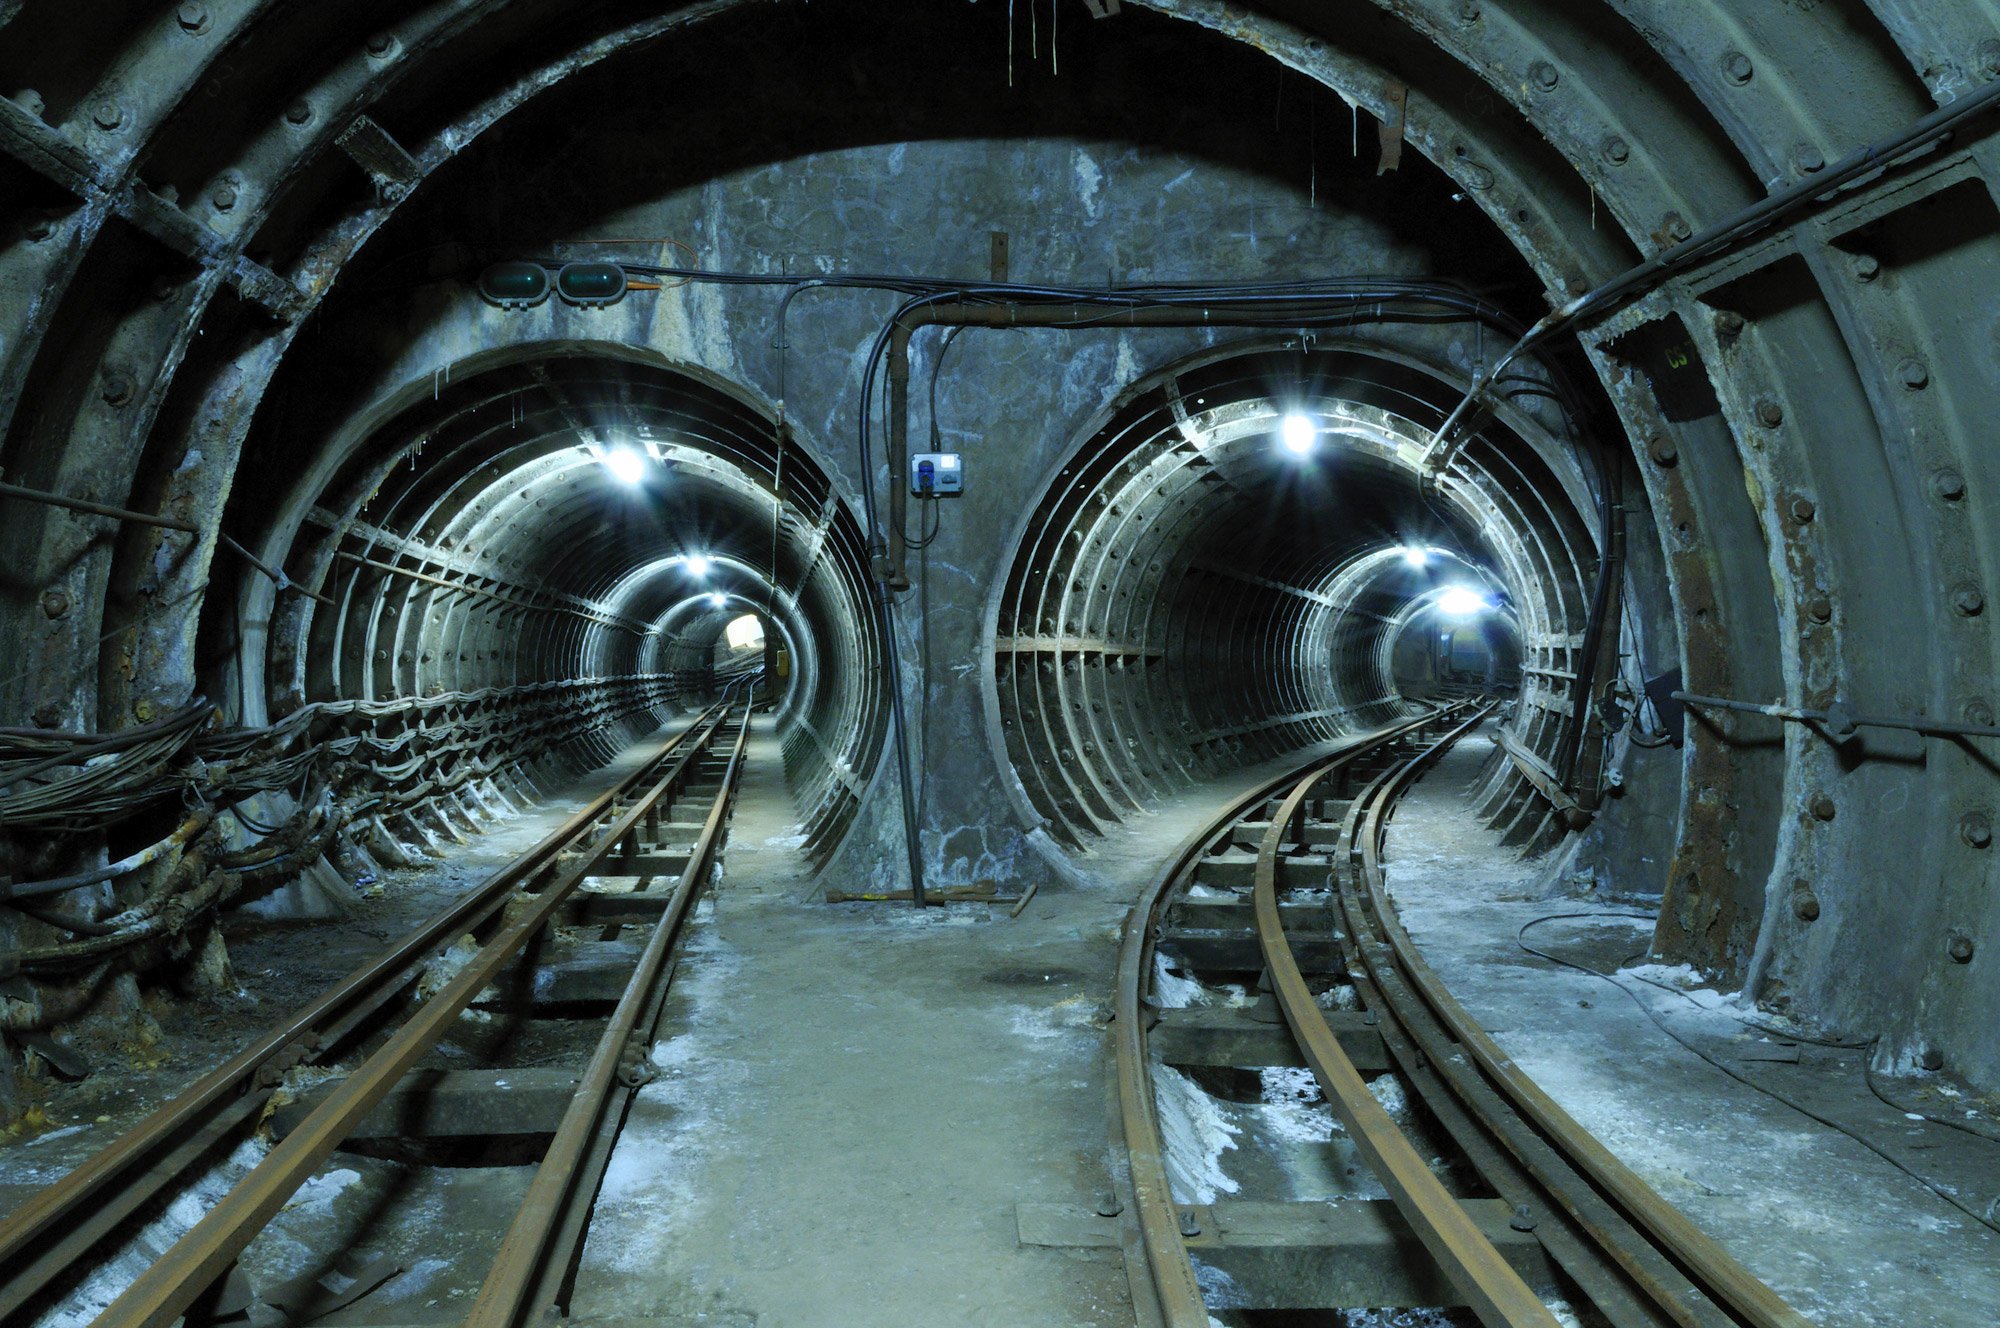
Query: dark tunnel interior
x,y
410,412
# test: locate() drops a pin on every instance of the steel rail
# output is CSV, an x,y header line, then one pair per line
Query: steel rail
x,y
57,1225
1491,1286
1156,1257
534,1256
1610,1260
164,1291
1723,1279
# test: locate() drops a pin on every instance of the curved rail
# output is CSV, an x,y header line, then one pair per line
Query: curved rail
x,y
50,1236
1156,1258
1635,1257
1490,1285
1692,1256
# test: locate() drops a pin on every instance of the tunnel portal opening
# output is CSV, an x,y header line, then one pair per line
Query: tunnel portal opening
x,y
1248,556
536,559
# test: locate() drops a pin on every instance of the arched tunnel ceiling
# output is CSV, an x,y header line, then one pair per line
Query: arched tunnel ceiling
x,y
481,536
190,189
1198,590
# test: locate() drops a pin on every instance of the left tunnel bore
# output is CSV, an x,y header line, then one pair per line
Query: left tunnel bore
x,y
451,603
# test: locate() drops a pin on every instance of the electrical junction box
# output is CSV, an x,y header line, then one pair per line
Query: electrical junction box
x,y
936,474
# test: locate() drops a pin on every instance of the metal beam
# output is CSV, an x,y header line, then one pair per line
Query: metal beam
x,y
528,596
49,154
372,148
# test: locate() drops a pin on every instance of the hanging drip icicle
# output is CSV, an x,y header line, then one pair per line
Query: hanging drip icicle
x,y
1010,43
1055,28
1312,146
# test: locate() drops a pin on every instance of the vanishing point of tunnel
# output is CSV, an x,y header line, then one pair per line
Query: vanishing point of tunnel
x,y
1034,662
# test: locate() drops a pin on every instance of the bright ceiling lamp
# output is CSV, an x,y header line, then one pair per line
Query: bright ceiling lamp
x,y
1298,433
626,466
1462,602
697,564
1416,555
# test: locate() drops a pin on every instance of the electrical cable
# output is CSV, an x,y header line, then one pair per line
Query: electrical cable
x,y
1716,1063
1770,211
924,661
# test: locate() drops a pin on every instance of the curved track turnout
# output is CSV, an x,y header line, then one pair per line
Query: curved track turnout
x,y
368,1038
1532,1210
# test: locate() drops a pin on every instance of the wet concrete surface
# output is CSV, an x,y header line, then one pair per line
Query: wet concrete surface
x,y
852,1098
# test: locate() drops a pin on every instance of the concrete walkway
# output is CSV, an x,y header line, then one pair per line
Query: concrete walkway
x,y
857,1098
1850,1240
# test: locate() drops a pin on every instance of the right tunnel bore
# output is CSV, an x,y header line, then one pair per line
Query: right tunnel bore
x,y
1250,556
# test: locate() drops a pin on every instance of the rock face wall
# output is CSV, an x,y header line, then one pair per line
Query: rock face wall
x,y
235,293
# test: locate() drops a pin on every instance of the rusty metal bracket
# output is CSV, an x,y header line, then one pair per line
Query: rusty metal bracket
x,y
50,155
1390,133
388,163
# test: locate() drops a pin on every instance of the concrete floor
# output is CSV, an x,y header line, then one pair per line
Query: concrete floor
x,y
858,1096
1850,1240
861,1094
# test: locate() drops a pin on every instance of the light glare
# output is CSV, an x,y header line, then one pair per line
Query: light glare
x,y
697,564
1462,602
718,599
1415,556
625,465
1298,433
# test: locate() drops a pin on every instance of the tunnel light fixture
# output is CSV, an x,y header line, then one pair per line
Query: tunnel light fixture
x,y
514,285
1299,433
1416,555
591,285
717,598
626,466
1462,602
697,564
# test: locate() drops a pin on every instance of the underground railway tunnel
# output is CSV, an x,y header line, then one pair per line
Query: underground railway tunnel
x,y
844,585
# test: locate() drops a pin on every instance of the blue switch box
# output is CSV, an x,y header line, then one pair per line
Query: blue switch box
x,y
936,474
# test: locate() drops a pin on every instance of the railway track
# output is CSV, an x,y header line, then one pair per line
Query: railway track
x,y
1529,1216
367,1041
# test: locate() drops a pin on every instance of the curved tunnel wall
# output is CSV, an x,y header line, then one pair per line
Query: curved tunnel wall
x,y
1191,595
1808,416
476,544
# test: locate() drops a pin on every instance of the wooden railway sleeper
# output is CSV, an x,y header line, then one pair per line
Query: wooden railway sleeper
x,y
166,1288
1575,1251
